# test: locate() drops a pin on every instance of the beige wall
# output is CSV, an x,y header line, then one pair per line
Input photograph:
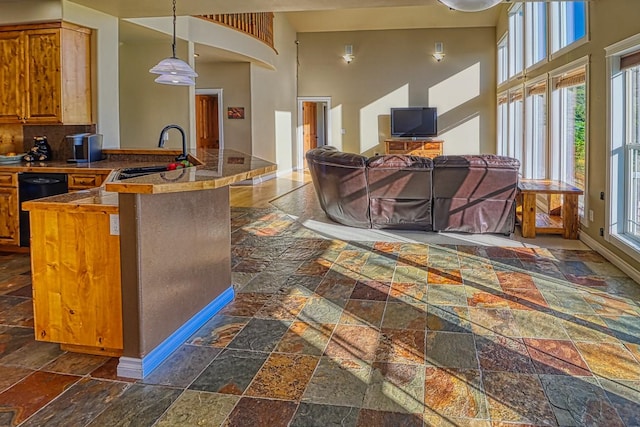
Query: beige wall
x,y
273,98
234,80
609,23
145,106
26,11
395,68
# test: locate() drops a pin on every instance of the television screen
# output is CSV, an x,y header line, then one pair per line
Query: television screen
x,y
414,122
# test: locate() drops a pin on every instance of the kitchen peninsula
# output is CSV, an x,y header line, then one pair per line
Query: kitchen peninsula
x,y
165,238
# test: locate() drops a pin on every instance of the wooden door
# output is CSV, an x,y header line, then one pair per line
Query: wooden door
x,y
44,91
309,126
207,129
11,70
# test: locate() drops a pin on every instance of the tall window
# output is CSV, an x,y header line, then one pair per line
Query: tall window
x,y
568,23
503,125
514,146
516,44
503,60
536,32
568,143
624,186
536,131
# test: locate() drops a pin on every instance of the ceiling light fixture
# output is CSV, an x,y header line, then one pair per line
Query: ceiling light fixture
x,y
174,71
470,5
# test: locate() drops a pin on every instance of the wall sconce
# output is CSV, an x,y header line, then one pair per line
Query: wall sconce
x,y
438,55
348,54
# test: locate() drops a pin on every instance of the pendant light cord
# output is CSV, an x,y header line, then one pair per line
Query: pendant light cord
x,y
173,45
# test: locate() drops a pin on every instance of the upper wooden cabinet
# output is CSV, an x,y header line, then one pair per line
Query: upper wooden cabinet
x,y
45,74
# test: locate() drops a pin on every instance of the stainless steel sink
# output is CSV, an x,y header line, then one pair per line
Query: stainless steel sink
x,y
127,173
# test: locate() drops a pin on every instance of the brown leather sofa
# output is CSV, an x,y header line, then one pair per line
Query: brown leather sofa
x,y
473,194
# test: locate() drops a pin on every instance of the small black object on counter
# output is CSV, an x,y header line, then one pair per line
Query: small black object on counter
x,y
40,151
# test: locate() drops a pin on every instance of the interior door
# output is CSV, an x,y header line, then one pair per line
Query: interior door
x,y
309,126
207,129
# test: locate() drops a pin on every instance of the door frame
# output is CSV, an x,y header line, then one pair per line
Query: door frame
x,y
217,92
300,137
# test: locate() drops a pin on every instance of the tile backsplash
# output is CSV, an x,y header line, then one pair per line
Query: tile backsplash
x,y
55,136
11,139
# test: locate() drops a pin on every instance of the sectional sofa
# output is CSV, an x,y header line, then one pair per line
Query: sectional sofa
x,y
470,193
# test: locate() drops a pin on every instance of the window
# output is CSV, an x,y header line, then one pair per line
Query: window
x,y
536,33
503,123
568,136
568,23
624,133
516,45
503,58
514,145
536,130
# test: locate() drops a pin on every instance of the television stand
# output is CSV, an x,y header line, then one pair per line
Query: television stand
x,y
423,147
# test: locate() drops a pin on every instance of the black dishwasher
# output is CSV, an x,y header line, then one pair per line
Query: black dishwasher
x,y
34,186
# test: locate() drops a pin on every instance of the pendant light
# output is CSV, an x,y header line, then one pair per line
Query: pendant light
x,y
470,5
174,71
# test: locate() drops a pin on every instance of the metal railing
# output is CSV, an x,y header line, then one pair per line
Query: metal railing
x,y
258,25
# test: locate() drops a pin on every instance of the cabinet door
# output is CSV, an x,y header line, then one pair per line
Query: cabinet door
x,y
43,95
11,76
9,216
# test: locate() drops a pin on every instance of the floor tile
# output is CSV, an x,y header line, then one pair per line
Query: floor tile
x,y
451,350
79,404
283,376
444,276
353,342
245,304
339,288
305,338
230,373
76,363
261,412
535,324
363,312
142,403
584,327
400,315
312,415
579,402
182,366
408,293
23,399
401,346
19,312
454,393
498,353
517,397
556,357
599,357
198,408
448,318
625,398
338,382
320,310
109,371
396,387
219,331
497,321
479,297
371,290
33,355
259,335
446,295
369,417
10,375
282,307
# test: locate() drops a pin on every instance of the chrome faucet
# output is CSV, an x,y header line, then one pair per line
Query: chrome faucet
x,y
164,130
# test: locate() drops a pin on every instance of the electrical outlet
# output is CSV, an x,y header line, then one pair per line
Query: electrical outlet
x,y
343,131
602,232
114,224
591,215
602,195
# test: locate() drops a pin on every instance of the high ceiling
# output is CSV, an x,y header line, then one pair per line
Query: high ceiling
x,y
313,15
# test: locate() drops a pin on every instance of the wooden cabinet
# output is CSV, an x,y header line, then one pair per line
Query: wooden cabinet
x,y
9,209
46,74
85,180
75,266
423,147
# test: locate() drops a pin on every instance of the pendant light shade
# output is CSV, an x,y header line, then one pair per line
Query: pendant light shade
x,y
172,70
470,5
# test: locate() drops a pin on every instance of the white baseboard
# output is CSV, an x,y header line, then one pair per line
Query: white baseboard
x,y
610,256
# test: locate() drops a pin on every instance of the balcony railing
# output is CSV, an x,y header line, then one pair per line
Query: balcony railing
x,y
258,25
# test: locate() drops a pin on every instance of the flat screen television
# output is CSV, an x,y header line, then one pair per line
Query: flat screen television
x,y
414,122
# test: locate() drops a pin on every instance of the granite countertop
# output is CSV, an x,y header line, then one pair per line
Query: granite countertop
x,y
219,168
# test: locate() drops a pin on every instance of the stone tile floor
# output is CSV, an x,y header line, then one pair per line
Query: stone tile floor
x,y
327,332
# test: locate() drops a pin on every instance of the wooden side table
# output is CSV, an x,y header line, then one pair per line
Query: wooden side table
x,y
531,222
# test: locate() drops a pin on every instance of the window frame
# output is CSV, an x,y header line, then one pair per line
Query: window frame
x,y
515,50
531,29
502,123
551,30
530,147
502,67
620,240
556,170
